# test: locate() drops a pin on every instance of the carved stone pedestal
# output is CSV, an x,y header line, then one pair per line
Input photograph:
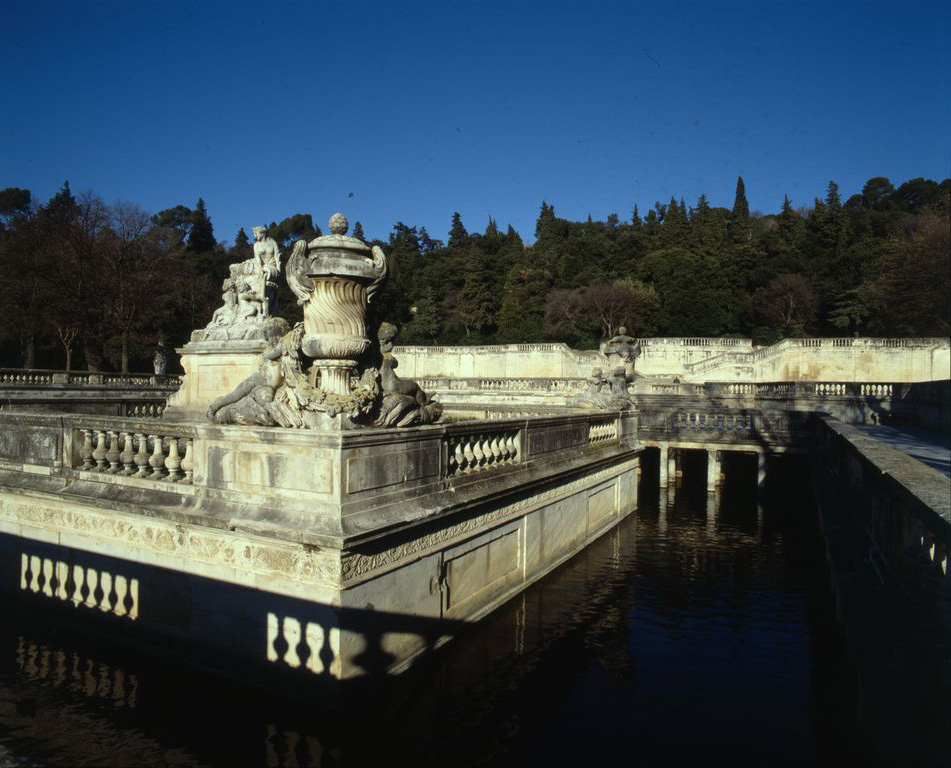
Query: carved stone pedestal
x,y
212,369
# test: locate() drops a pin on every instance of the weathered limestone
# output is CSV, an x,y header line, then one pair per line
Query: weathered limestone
x,y
697,360
339,554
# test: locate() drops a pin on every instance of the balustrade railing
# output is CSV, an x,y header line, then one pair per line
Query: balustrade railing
x,y
21,376
476,451
603,431
144,451
728,423
49,378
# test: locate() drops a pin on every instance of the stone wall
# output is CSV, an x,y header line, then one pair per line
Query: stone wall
x,y
323,555
697,360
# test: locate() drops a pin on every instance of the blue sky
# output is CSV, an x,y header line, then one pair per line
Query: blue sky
x,y
410,111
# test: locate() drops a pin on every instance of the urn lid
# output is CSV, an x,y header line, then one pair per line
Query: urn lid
x,y
338,243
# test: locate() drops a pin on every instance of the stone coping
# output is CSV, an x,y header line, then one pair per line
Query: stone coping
x,y
927,490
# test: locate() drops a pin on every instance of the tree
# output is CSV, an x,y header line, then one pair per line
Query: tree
x,y
14,203
475,309
425,324
358,231
201,237
458,236
740,216
788,302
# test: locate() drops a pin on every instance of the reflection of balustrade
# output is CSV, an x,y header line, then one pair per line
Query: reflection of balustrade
x,y
474,452
602,431
79,673
82,585
146,455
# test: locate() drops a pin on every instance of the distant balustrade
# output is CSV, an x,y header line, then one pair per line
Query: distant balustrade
x,y
32,377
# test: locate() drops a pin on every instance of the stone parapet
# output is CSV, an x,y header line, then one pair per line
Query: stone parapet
x,y
333,554
698,360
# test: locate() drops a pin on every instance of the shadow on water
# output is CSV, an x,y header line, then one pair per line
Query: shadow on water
x,y
696,630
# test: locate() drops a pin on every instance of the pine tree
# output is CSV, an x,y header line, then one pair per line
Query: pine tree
x,y
241,240
636,222
201,238
358,231
458,236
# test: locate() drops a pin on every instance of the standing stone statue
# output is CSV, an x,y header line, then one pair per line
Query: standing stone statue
x,y
624,346
160,360
267,258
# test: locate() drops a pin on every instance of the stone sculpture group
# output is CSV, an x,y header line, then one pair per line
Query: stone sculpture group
x,y
315,375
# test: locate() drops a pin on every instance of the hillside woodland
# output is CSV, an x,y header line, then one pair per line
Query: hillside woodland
x,y
92,285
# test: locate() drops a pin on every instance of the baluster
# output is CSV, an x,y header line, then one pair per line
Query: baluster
x,y
157,460
188,462
477,451
142,457
112,455
458,455
128,454
100,453
85,452
467,452
173,461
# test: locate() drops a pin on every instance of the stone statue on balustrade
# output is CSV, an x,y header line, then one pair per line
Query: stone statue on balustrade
x,y
607,394
160,359
315,372
625,347
404,402
248,294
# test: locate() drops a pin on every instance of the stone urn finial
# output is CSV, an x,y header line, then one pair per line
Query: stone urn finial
x,y
338,224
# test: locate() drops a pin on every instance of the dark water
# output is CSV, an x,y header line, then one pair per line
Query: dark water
x,y
696,631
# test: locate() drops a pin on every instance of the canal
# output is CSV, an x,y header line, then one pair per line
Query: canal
x,y
698,630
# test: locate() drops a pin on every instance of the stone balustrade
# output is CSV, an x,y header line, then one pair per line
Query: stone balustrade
x,y
698,359
469,452
145,451
20,376
33,377
602,431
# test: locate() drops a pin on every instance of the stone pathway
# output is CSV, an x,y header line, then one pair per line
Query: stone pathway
x,y
928,447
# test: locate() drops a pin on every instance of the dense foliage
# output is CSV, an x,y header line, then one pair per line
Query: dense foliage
x,y
110,282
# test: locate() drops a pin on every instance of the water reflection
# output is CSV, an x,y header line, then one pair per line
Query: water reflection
x,y
691,632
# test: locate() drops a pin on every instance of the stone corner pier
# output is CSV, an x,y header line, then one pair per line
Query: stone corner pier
x,y
331,555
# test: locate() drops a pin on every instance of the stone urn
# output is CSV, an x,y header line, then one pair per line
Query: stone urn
x,y
345,273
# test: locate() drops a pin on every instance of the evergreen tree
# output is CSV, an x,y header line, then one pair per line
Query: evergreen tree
x,y
201,238
458,236
636,222
740,228
741,209
358,231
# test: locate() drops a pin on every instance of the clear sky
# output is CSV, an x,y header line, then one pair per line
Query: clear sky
x,y
399,111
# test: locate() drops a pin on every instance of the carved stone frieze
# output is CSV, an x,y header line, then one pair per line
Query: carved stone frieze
x,y
357,565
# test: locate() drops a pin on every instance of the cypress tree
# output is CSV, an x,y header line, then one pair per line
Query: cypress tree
x,y
741,209
358,231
